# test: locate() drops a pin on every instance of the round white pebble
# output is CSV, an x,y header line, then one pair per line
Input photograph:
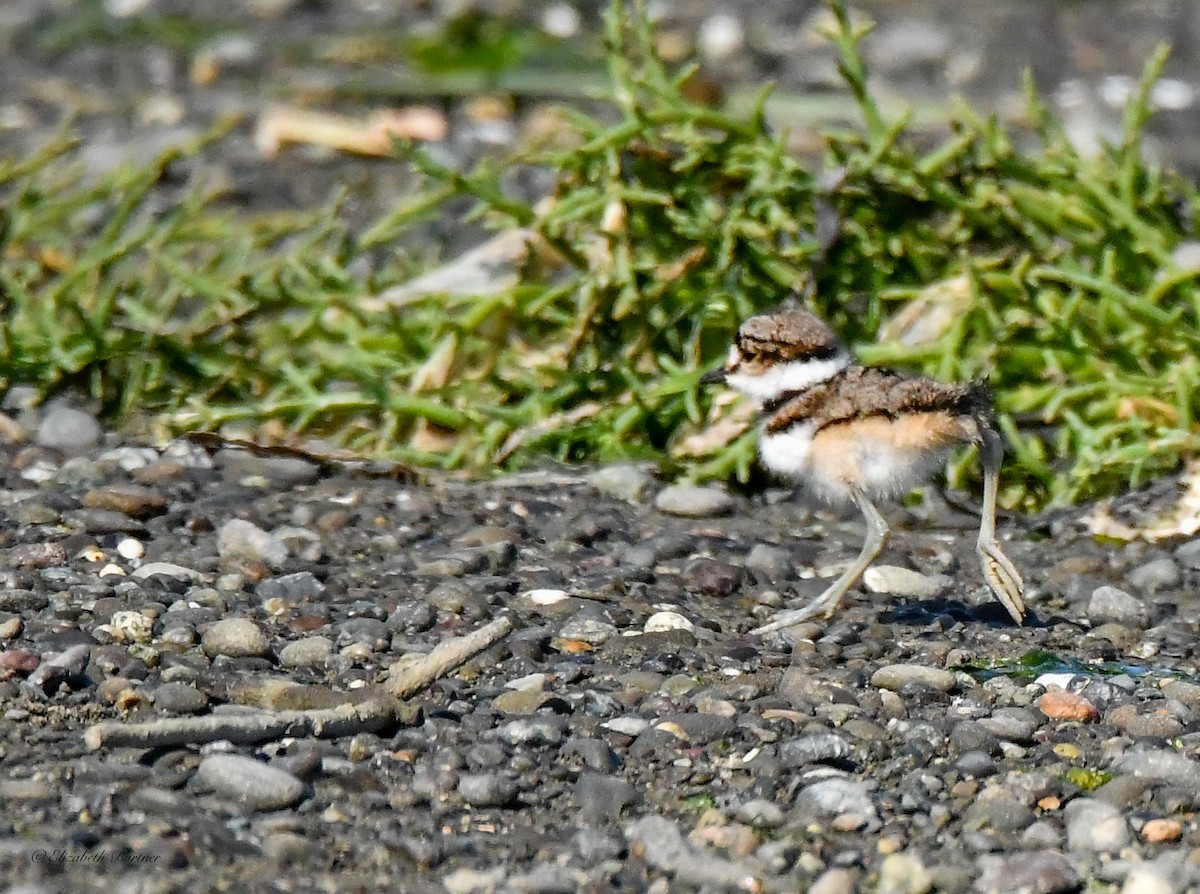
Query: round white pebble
x,y
660,622
131,548
546,597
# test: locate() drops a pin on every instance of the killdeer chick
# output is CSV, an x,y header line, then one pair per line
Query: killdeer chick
x,y
859,434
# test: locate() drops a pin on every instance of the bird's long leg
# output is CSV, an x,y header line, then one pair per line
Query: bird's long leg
x,y
827,603
1002,578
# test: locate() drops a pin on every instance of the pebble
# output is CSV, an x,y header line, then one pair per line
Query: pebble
x,y
1188,554
235,638
133,500
897,581
1095,825
1031,872
813,749
1109,604
487,789
535,731
1155,575
37,555
895,677
309,651
770,562
474,881
691,501
712,577
831,797
1011,724
1146,880
1059,704
834,881
67,429
179,698
1164,765
63,668
250,782
601,798
623,482
1156,831
660,622
588,629
170,569
904,873
239,539
761,814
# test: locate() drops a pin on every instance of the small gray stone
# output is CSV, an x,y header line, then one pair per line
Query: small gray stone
x,y
999,812
1163,765
1095,825
250,782
47,554
1034,872
68,429
770,562
235,638
311,651
588,629
831,797
1188,554
487,789
761,813
623,482
896,676
1155,575
600,798
1011,724
179,698
596,846
244,540
533,731
813,749
975,763
299,587
661,839
1109,604
690,501
898,581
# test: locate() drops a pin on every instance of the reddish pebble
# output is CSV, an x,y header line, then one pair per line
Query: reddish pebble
x,y
17,661
1159,830
1062,705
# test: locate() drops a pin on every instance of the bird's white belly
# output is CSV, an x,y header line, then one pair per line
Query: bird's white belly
x,y
835,468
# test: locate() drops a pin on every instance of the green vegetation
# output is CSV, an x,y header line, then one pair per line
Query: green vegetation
x,y
1053,275
1086,780
1036,662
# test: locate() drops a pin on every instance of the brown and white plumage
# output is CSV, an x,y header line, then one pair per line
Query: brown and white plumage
x,y
860,434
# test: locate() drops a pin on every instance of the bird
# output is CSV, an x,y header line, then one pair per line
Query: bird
x,y
860,435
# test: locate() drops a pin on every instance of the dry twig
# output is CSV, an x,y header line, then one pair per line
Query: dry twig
x,y
344,720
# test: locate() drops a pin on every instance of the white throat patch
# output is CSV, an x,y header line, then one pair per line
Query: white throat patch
x,y
795,375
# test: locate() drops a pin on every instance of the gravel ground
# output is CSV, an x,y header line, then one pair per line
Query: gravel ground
x,y
627,736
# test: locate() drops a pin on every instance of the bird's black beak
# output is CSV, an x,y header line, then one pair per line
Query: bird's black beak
x,y
713,377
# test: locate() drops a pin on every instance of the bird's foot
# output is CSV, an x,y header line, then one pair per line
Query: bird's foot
x,y
1002,579
823,607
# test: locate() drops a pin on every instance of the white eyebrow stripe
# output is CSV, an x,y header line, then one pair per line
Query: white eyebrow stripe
x,y
782,378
